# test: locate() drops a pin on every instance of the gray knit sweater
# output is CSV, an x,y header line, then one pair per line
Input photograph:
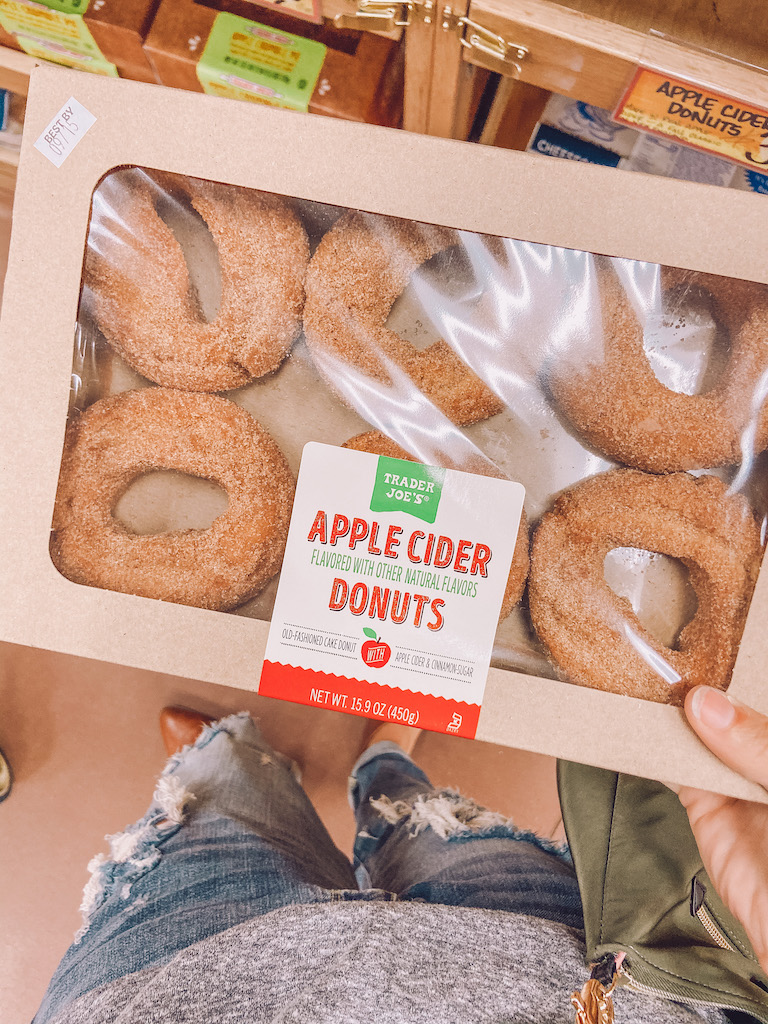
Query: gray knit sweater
x,y
366,962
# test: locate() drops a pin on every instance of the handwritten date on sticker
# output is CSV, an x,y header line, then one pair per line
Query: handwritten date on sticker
x,y
64,131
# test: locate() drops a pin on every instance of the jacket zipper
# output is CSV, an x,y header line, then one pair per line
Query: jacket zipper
x,y
713,930
698,909
629,982
626,980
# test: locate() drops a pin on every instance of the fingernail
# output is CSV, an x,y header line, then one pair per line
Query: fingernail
x,y
713,708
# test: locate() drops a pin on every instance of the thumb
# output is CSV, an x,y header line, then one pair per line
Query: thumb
x,y
734,732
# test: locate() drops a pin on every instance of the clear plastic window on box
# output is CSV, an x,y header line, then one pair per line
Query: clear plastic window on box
x,y
627,398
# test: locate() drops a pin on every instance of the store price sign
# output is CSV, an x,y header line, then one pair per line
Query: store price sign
x,y
391,588
696,116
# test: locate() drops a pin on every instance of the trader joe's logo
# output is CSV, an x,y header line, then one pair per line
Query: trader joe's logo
x,y
407,487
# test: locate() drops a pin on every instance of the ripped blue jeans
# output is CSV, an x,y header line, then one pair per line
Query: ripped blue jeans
x,y
231,834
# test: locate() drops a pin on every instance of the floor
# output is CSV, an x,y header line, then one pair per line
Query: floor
x,y
84,745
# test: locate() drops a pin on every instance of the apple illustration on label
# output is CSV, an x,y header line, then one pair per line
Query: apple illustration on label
x,y
374,652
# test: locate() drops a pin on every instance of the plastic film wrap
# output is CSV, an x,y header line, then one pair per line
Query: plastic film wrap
x,y
628,399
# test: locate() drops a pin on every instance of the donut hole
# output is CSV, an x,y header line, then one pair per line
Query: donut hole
x,y
682,343
164,500
657,587
444,280
200,253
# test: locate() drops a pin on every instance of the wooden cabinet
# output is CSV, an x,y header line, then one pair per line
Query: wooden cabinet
x,y
585,49
15,69
511,53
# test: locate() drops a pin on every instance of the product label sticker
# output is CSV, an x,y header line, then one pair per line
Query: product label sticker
x,y
65,131
696,116
552,142
247,61
308,10
55,31
654,155
49,49
62,6
391,588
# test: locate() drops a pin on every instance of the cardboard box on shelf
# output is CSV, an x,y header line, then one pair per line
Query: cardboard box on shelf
x,y
6,39
304,10
321,10
120,28
85,133
105,37
358,77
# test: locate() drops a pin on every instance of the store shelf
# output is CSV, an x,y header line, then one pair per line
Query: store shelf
x,y
15,69
589,49
586,49
719,26
9,165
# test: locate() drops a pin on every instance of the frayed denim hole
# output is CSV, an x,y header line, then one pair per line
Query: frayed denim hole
x,y
135,851
455,818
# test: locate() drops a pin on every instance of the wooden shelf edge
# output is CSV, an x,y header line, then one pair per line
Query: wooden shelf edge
x,y
592,59
9,166
15,69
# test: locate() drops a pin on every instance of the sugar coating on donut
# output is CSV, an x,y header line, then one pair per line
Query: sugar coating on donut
x,y
139,287
591,632
379,444
617,403
360,268
125,436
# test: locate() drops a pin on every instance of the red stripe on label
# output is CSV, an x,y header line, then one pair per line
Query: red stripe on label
x,y
370,700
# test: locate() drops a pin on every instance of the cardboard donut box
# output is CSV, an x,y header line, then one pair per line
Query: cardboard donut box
x,y
107,124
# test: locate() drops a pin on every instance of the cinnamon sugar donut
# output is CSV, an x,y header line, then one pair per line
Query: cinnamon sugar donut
x,y
141,294
120,438
378,444
616,401
360,268
593,634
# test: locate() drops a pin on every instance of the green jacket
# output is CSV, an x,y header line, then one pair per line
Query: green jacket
x,y
645,892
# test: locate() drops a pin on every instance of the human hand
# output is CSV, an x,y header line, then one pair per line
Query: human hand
x,y
732,834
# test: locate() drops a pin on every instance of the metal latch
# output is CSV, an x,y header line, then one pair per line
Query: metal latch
x,y
487,49
386,15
